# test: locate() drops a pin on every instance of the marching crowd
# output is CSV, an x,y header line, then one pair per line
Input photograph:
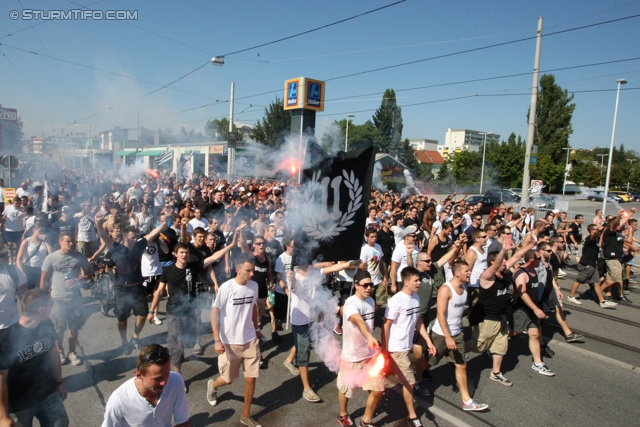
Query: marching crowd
x,y
425,265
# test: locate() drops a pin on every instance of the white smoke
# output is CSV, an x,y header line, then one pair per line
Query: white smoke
x,y
410,187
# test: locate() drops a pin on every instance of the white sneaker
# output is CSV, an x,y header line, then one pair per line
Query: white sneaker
x,y
157,321
75,360
574,300
561,273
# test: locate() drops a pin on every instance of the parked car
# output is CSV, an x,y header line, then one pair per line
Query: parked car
x,y
544,202
622,194
598,196
635,195
504,195
487,203
516,191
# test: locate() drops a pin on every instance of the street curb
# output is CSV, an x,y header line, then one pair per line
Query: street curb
x,y
601,357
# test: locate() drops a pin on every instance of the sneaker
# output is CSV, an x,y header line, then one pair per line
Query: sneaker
x,y
212,394
574,300
574,337
474,406
623,299
500,378
261,363
250,422
337,329
363,424
75,360
126,348
421,390
561,273
198,350
275,337
608,304
311,396
426,375
414,422
547,351
345,421
292,368
135,343
156,321
542,369
63,359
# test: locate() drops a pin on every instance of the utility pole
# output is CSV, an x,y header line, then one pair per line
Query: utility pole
x,y
231,152
532,113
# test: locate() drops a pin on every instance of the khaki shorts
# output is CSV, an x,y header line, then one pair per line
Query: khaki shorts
x,y
358,373
87,248
614,270
491,335
381,296
262,308
402,367
247,355
440,343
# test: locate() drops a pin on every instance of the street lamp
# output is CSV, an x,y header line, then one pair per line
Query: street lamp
x,y
346,138
613,138
631,165
484,150
602,156
566,172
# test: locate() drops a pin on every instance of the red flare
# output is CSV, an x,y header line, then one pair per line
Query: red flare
x,y
378,366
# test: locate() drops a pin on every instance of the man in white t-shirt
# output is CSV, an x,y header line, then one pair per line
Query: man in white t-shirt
x,y
306,285
402,320
154,396
13,226
236,333
198,221
359,349
371,257
404,255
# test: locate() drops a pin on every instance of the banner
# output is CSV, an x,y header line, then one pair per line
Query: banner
x,y
333,205
166,156
185,170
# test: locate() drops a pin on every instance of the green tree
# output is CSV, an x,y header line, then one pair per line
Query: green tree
x,y
388,121
465,166
218,129
553,127
586,172
407,155
505,161
12,135
274,126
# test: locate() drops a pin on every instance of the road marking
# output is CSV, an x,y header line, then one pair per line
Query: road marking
x,y
598,356
447,416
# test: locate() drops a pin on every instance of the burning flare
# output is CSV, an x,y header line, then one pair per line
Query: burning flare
x,y
378,366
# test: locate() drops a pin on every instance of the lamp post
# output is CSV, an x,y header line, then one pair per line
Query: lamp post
x,y
613,138
602,156
484,150
566,172
346,138
631,165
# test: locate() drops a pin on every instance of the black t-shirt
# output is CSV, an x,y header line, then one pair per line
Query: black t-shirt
x,y
60,225
555,264
260,276
386,242
576,232
590,252
612,244
409,221
455,234
171,239
25,353
128,269
181,286
469,232
272,249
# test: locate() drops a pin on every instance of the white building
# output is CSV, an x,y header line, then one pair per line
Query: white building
x,y
424,144
456,140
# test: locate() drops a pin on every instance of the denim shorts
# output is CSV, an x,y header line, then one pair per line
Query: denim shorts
x,y
50,413
302,342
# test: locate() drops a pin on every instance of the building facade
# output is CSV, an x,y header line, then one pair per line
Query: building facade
x,y
457,140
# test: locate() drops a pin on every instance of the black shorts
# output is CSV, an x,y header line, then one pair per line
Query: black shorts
x,y
181,333
280,310
13,237
130,299
152,284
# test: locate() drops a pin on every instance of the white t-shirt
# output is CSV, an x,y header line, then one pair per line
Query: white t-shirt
x,y
202,222
159,197
86,229
236,303
400,256
15,218
21,193
372,256
150,262
404,311
135,193
397,234
439,208
437,225
8,306
126,408
354,344
302,295
145,223
283,264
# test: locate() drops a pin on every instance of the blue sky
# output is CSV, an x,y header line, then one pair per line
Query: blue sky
x,y
170,39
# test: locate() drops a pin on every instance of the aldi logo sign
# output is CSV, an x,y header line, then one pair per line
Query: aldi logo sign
x,y
303,92
292,95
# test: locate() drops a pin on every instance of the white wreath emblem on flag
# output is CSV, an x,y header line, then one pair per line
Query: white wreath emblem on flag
x,y
327,225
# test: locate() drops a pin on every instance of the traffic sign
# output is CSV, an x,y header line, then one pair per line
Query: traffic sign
x,y
10,114
10,162
9,195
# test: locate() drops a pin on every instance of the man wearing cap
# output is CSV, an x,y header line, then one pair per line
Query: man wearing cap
x,y
154,396
404,255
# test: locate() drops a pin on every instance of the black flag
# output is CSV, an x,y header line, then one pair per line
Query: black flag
x,y
333,204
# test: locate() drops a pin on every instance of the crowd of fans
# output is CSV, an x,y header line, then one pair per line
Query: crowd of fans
x,y
226,245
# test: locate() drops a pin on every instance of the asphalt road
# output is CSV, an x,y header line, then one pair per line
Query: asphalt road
x,y
596,380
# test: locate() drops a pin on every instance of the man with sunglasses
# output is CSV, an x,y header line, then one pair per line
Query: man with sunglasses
x,y
155,396
359,348
404,255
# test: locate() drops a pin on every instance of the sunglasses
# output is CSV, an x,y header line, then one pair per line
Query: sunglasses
x,y
426,260
366,285
259,243
156,355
